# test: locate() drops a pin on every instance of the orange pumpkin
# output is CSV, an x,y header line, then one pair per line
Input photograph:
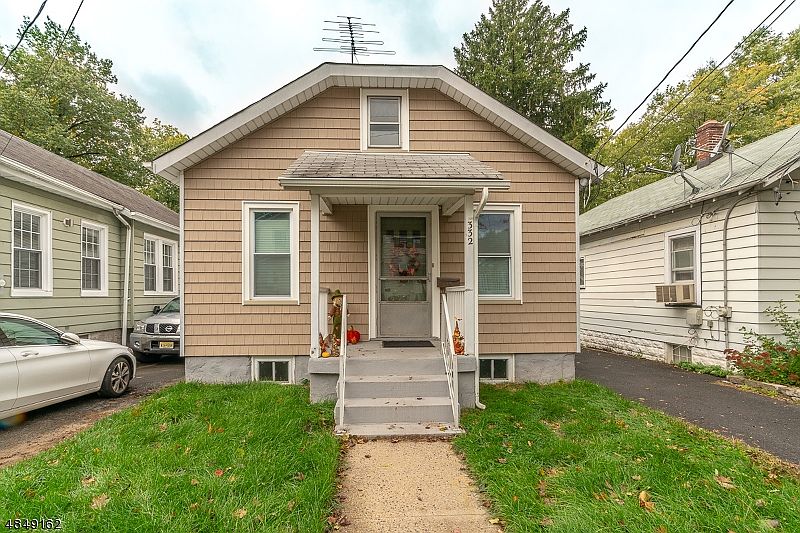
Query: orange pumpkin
x,y
353,336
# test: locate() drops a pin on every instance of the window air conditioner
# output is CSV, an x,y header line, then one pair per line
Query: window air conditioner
x,y
675,293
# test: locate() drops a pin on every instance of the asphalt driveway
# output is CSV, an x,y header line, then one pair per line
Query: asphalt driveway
x,y
48,426
706,401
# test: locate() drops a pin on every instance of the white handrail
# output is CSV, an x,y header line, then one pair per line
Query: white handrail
x,y
342,359
449,356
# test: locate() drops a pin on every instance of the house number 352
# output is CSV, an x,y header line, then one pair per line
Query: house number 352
x,y
469,232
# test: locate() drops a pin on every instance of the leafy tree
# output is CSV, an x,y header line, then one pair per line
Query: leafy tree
x,y
758,92
56,92
521,55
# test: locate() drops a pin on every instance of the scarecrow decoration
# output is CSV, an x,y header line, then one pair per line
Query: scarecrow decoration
x,y
458,340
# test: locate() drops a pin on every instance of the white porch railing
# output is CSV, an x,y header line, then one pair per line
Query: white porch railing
x,y
449,355
455,303
342,360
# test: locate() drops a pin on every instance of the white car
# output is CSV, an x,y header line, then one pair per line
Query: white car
x,y
40,365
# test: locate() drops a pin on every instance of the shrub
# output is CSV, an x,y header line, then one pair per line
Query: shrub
x,y
766,358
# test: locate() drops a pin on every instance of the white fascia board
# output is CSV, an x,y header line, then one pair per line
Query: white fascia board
x,y
154,222
162,165
16,171
346,75
401,184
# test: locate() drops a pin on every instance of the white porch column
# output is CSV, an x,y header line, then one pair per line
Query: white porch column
x,y
470,324
315,276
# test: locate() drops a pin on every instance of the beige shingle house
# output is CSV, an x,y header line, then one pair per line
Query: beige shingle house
x,y
387,183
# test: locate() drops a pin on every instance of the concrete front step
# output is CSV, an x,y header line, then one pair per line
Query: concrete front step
x,y
401,429
395,367
434,410
396,386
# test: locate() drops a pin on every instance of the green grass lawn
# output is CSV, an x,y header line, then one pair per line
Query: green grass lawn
x,y
255,457
579,458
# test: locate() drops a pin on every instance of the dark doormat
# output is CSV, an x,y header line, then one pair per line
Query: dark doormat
x,y
407,344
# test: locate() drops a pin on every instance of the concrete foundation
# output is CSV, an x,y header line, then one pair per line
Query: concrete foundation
x,y
646,349
323,374
544,367
218,369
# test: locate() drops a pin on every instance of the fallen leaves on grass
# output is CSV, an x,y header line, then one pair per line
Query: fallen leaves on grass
x,y
194,482
722,481
541,488
502,460
88,480
98,502
218,472
645,501
239,513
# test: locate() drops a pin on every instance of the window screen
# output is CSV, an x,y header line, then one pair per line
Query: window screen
x,y
384,121
272,253
27,250
91,261
682,258
494,254
149,265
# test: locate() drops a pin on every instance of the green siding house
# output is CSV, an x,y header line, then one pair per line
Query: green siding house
x,y
78,250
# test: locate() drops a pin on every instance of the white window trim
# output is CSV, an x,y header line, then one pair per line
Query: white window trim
x,y
516,254
247,260
103,290
160,265
582,269
46,239
404,127
254,368
668,255
509,368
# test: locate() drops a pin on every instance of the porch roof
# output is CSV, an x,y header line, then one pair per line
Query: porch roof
x,y
393,173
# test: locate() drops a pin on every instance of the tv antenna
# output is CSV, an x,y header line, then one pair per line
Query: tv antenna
x,y
677,168
352,38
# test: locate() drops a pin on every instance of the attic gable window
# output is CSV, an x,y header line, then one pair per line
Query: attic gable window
x,y
384,119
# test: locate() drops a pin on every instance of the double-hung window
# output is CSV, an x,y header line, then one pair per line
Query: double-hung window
x,y
159,259
270,242
167,267
682,256
500,253
384,118
149,265
32,269
94,259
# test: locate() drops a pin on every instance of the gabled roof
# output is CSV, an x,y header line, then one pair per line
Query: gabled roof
x,y
759,163
401,165
28,157
327,75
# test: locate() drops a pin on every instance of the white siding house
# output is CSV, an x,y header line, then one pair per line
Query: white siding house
x,y
663,233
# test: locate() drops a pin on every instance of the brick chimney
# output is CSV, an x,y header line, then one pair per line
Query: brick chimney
x,y
709,134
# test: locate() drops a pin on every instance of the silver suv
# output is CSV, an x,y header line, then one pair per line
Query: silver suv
x,y
158,334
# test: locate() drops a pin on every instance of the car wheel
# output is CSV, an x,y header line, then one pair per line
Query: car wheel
x,y
146,357
117,378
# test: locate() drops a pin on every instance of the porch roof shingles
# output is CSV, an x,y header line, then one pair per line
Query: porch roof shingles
x,y
392,165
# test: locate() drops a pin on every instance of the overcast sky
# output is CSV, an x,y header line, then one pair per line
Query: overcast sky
x,y
194,62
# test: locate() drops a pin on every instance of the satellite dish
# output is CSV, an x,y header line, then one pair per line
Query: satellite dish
x,y
676,158
723,141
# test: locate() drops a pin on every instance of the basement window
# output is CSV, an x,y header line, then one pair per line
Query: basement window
x,y
680,353
495,369
279,370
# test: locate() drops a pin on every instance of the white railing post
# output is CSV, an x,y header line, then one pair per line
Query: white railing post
x,y
342,359
450,361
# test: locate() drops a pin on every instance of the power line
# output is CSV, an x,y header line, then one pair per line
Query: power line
x,y
64,38
654,89
22,36
708,74
52,61
790,139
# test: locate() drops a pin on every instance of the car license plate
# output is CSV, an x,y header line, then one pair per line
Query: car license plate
x,y
166,344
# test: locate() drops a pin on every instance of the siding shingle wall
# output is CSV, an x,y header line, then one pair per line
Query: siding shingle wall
x,y
218,324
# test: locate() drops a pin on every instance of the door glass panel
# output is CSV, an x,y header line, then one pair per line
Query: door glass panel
x,y
404,247
412,290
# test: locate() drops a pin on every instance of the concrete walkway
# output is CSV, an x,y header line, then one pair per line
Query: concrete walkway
x,y
703,400
410,486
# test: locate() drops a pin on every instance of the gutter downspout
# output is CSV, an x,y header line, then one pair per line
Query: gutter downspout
x,y
725,260
125,295
478,404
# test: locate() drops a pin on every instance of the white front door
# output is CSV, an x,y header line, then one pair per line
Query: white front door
x,y
404,272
